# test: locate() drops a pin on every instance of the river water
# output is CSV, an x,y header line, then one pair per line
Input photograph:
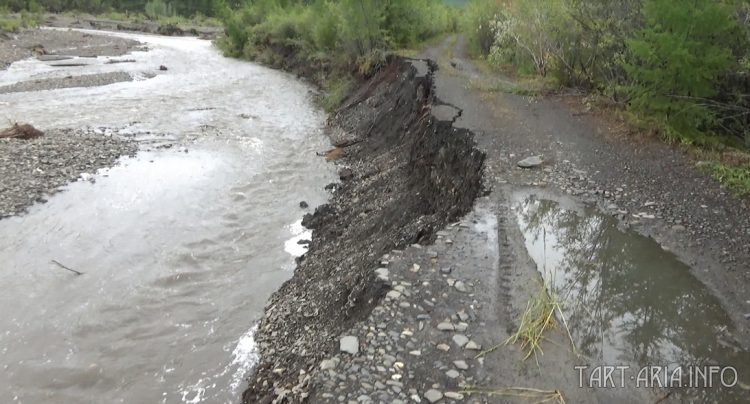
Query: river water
x,y
180,247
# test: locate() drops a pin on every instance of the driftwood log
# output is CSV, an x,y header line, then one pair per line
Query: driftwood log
x,y
21,131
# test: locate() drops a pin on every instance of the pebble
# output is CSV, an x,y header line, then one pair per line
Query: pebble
x,y
328,364
452,373
461,287
443,347
433,395
382,274
473,346
460,365
454,395
461,340
446,270
445,326
349,344
531,162
393,295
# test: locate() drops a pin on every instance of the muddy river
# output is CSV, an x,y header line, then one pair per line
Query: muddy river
x,y
180,246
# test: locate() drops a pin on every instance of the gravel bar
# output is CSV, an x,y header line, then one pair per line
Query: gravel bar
x,y
31,170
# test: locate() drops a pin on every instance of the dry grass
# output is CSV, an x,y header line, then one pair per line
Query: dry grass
x,y
541,315
539,396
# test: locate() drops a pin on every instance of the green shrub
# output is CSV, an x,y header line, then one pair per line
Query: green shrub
x,y
155,9
675,61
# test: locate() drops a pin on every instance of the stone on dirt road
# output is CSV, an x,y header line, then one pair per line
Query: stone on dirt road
x,y
349,344
531,162
433,395
460,340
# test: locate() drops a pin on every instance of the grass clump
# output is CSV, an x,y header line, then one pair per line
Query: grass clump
x,y
736,178
335,90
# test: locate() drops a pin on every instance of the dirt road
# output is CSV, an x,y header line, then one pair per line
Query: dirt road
x,y
467,292
705,225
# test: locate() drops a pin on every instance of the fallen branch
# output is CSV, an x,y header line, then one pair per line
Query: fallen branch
x,y
68,268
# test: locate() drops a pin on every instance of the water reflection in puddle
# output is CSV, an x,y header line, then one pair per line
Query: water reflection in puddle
x,y
628,301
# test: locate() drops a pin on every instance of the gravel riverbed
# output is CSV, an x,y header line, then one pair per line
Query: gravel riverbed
x,y
87,80
31,170
31,42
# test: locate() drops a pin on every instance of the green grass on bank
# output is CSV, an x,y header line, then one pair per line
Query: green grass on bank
x,y
197,20
736,178
12,22
335,43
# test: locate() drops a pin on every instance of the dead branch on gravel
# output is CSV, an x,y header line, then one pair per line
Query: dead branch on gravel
x,y
21,131
67,268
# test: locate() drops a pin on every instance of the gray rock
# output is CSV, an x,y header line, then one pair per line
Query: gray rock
x,y
445,326
382,274
328,364
460,340
446,270
349,344
461,287
433,396
471,345
452,373
461,365
531,162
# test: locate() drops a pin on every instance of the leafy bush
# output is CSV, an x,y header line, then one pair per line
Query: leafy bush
x,y
158,8
675,61
478,23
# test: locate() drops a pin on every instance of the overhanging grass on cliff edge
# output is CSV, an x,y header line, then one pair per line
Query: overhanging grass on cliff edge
x,y
330,41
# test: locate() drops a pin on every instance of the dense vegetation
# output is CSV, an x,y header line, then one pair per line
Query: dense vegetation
x,y
175,7
678,67
331,40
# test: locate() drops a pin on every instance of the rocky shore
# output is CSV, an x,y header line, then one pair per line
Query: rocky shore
x,y
87,80
405,173
48,43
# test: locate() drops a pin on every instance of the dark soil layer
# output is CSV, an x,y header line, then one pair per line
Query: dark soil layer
x,y
405,175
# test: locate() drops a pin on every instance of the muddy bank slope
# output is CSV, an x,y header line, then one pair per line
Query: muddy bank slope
x,y
406,172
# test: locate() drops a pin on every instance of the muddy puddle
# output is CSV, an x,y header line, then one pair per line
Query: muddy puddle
x,y
630,303
180,246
